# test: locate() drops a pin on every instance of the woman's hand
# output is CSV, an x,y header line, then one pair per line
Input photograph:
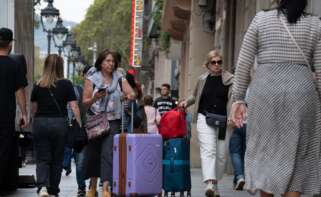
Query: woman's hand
x,y
238,114
182,104
99,95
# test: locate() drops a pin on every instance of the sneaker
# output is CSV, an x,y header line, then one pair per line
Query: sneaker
x,y
217,193
43,192
81,193
239,184
209,190
68,171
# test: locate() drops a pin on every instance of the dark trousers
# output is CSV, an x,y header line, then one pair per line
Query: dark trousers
x,y
9,158
49,140
237,151
99,155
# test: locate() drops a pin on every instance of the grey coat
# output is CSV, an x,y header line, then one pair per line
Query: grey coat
x,y
227,79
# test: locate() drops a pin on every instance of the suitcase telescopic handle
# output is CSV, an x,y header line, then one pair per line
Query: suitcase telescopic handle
x,y
132,117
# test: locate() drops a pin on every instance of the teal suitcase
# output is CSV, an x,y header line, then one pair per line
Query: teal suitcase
x,y
176,166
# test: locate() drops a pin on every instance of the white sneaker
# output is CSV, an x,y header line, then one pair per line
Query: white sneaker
x,y
43,192
239,184
217,193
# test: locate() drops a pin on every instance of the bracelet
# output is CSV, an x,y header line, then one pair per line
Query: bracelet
x,y
239,102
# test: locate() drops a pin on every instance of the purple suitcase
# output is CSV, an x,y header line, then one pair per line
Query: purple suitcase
x,y
137,164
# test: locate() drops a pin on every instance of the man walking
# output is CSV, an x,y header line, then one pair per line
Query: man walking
x,y
165,102
12,83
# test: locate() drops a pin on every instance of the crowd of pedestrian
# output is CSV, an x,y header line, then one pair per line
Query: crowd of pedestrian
x,y
268,123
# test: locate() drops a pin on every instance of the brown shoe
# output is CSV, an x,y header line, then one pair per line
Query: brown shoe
x,y
106,190
92,188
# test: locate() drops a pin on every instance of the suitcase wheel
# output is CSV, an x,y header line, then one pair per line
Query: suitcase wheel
x,y
181,194
173,194
189,194
165,194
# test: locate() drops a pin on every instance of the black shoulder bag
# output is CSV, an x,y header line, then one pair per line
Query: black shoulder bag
x,y
76,136
217,121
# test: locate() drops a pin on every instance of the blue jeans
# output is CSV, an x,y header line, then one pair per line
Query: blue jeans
x,y
237,151
67,158
79,160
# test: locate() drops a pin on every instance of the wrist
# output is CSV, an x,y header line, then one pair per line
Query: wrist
x,y
239,102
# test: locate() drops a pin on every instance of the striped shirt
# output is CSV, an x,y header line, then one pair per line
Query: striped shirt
x,y
268,40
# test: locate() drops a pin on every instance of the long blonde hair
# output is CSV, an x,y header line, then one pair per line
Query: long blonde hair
x,y
53,70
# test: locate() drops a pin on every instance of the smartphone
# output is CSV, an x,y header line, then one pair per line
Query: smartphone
x,y
102,90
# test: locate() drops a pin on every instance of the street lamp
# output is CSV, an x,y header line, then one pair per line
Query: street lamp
x,y
49,16
59,35
80,64
94,50
68,44
74,57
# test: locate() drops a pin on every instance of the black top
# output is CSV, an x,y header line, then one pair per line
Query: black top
x,y
12,78
63,93
214,96
164,104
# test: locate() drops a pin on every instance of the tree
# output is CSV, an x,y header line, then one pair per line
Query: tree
x,y
107,22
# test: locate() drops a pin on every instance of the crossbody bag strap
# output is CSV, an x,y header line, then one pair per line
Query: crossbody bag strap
x,y
55,101
296,44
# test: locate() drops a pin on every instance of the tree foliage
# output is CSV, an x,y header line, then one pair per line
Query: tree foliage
x,y
107,23
164,37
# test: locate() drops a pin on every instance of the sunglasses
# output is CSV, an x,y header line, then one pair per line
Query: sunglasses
x,y
219,62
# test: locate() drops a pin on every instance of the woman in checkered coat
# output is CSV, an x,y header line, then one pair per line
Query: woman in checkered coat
x,y
284,129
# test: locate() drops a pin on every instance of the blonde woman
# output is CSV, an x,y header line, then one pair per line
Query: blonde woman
x,y
211,95
49,98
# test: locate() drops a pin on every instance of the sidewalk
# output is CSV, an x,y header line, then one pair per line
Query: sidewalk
x,y
68,185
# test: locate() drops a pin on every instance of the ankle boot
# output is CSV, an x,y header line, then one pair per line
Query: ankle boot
x,y
92,188
106,190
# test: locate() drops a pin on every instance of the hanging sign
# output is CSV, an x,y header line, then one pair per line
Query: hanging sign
x,y
136,37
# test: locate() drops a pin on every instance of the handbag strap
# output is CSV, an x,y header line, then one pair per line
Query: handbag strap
x,y
55,101
296,44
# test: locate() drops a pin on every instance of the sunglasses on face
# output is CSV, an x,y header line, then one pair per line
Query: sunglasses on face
x,y
219,62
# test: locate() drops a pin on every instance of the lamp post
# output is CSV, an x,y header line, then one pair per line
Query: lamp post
x,y
59,35
68,44
80,64
49,16
94,50
74,56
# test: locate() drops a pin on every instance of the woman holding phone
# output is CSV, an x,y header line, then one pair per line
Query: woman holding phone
x,y
104,86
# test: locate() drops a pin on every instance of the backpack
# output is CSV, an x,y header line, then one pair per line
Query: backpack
x,y
173,124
